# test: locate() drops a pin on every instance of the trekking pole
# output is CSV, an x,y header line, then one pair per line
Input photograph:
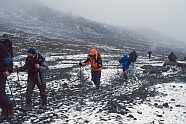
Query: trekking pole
x,y
11,92
80,73
18,83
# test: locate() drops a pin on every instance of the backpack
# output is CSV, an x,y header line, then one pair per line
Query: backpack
x,y
6,53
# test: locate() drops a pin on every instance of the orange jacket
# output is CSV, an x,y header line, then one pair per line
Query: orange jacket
x,y
95,62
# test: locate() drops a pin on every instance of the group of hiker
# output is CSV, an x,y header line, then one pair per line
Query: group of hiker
x,y
35,65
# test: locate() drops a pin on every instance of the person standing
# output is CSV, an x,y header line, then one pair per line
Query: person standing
x,y
124,61
95,60
6,68
34,65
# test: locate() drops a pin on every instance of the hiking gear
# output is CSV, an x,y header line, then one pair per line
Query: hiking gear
x,y
31,51
95,62
6,55
96,76
36,66
124,61
10,88
6,67
18,83
125,74
5,47
133,57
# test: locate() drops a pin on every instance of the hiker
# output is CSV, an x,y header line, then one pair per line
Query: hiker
x,y
6,68
172,60
172,57
124,61
149,54
35,64
132,59
95,60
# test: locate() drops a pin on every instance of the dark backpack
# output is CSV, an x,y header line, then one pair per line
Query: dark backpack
x,y
6,53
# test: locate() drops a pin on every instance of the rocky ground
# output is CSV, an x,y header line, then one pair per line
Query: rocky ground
x,y
154,95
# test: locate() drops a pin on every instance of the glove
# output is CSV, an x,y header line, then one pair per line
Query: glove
x,y
37,66
6,73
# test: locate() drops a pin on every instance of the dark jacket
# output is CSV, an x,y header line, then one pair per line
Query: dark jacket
x,y
6,54
30,65
132,57
172,57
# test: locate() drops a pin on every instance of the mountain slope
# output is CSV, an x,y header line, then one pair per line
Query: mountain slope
x,y
32,17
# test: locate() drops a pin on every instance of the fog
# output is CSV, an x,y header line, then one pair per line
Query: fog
x,y
165,16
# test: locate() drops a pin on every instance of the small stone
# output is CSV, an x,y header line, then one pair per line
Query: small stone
x,y
130,116
160,116
155,104
86,121
178,105
139,112
173,100
166,105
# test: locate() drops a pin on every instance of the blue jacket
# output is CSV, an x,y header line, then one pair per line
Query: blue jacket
x,y
124,61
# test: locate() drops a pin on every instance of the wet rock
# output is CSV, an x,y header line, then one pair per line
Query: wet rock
x,y
159,115
172,100
156,104
178,105
139,112
160,106
166,105
130,116
147,67
165,68
86,121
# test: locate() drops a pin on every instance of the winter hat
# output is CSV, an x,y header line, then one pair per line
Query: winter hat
x,y
126,53
93,51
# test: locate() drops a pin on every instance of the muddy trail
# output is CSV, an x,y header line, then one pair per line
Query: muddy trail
x,y
72,97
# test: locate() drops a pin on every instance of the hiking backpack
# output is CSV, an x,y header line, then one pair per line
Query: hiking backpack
x,y
6,52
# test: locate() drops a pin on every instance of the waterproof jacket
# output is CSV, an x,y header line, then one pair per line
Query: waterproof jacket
x,y
6,63
133,57
124,61
95,62
30,65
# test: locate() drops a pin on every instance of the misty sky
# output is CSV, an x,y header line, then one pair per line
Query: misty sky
x,y
166,16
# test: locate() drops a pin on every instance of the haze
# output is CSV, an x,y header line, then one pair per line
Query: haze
x,y
165,16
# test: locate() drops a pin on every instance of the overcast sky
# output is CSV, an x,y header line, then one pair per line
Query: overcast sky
x,y
166,16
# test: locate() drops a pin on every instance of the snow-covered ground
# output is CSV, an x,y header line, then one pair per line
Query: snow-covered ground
x,y
147,97
167,107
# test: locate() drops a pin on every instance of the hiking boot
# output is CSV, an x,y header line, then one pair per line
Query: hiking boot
x,y
27,107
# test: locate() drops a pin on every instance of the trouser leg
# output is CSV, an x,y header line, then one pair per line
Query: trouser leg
x,y
29,91
96,76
